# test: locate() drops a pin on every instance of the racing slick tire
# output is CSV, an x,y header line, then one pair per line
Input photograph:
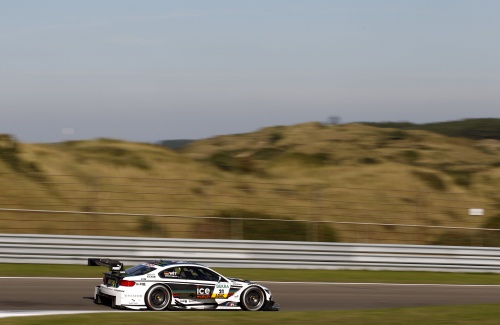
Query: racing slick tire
x,y
158,298
253,299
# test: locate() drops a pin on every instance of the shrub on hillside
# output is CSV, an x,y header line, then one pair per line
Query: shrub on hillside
x,y
488,238
431,179
492,237
312,160
11,155
229,162
396,135
149,227
368,161
267,153
117,156
462,178
454,238
275,137
410,156
250,225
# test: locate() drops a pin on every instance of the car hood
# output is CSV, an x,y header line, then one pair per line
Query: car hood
x,y
240,282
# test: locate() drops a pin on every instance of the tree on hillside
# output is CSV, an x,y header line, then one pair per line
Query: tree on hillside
x,y
477,129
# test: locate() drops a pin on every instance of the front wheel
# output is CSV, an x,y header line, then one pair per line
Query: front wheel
x,y
253,299
158,298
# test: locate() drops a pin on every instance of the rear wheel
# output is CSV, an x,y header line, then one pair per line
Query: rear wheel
x,y
253,299
158,298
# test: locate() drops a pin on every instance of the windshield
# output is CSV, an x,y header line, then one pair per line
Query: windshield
x,y
139,269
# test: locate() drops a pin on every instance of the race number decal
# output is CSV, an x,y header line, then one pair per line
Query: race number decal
x,y
221,291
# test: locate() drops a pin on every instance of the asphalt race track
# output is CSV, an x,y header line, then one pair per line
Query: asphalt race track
x,y
23,294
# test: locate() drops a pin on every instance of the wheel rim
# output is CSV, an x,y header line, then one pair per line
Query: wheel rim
x,y
254,299
159,298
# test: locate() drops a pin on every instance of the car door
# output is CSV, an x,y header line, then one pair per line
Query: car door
x,y
192,283
202,283
179,282
221,286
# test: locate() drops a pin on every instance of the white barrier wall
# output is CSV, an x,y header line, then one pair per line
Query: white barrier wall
x,y
52,249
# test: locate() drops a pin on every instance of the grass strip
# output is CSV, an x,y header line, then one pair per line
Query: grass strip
x,y
283,275
456,315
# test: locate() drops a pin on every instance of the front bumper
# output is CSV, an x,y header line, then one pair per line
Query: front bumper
x,y
271,306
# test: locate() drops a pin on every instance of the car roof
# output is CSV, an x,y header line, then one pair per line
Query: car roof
x,y
162,263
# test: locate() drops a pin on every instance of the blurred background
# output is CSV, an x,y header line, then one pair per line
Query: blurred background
x,y
337,121
356,183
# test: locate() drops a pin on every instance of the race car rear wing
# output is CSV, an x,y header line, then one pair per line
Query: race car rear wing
x,y
113,265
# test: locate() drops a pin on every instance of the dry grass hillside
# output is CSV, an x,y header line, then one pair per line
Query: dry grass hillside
x,y
360,182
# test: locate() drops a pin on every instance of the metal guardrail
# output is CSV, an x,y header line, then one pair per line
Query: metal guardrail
x,y
52,249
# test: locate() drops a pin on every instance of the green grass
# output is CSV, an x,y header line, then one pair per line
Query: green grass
x,y
456,315
82,271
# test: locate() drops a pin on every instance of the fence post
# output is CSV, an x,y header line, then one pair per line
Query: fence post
x,y
236,228
92,201
421,212
313,231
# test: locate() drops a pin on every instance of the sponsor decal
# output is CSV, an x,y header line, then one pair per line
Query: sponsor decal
x,y
140,284
221,291
230,304
170,273
151,275
202,293
219,295
237,284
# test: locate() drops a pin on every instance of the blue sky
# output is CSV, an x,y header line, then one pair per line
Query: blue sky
x,y
151,70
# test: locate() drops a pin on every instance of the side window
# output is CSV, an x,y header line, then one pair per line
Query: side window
x,y
206,275
187,273
140,269
173,272
192,273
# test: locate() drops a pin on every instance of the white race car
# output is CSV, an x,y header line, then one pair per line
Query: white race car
x,y
167,285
